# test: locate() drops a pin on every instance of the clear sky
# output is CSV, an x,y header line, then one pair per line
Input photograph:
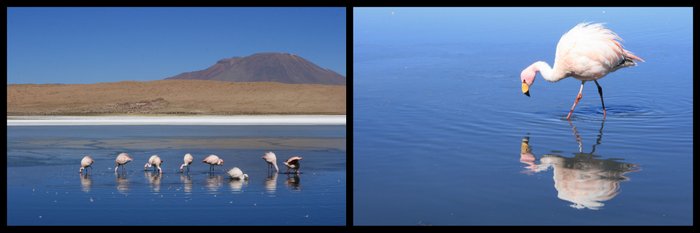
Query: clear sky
x,y
415,25
89,45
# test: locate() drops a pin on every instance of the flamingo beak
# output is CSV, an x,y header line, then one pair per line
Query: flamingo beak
x,y
526,89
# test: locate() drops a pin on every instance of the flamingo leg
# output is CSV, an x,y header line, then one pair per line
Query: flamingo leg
x,y
578,97
600,92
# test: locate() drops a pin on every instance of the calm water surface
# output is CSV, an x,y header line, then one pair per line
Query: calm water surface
x,y
45,188
444,136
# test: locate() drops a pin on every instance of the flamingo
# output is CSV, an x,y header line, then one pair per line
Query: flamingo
x,y
85,163
213,160
271,160
237,174
188,160
587,52
154,160
122,159
293,163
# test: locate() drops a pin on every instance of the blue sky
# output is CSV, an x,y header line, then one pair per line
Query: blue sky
x,y
89,45
416,25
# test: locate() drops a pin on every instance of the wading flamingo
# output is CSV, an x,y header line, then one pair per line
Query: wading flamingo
x,y
154,160
293,163
587,52
236,173
188,160
122,159
213,160
271,160
85,163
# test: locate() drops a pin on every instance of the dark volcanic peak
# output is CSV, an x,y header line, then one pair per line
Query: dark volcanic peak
x,y
266,67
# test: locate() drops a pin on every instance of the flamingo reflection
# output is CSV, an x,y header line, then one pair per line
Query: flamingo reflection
x,y
586,180
271,183
85,182
293,182
237,184
122,182
213,182
187,182
153,178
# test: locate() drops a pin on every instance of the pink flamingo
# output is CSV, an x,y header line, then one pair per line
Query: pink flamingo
x,y
187,161
213,160
587,52
237,174
293,163
271,160
154,161
85,163
122,159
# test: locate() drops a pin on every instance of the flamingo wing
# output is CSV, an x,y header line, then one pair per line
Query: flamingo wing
x,y
294,159
590,51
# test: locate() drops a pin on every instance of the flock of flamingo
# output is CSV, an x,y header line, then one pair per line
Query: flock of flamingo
x,y
156,162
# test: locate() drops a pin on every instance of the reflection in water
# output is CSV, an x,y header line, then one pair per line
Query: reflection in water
x,y
293,182
187,182
153,178
271,183
85,182
122,182
585,179
237,184
214,182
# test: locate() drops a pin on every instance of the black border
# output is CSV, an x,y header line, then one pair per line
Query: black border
x,y
349,75
191,229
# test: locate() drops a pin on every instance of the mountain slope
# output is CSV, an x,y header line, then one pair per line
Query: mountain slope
x,y
266,67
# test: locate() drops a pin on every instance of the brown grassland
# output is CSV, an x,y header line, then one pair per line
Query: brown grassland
x,y
175,97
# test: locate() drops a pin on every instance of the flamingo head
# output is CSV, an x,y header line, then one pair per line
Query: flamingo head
x,y
221,161
146,166
527,78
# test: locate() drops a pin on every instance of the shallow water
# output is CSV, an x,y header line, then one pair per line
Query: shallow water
x,y
45,188
444,136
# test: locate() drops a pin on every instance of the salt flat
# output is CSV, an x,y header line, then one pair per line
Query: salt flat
x,y
178,120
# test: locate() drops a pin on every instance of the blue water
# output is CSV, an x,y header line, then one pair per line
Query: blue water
x,y
444,136
45,188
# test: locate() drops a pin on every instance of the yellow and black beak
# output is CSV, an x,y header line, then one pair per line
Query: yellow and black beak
x,y
526,89
525,146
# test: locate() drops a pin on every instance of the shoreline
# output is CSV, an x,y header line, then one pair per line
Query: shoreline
x,y
177,120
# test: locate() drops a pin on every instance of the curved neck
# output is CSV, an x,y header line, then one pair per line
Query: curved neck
x,y
546,71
